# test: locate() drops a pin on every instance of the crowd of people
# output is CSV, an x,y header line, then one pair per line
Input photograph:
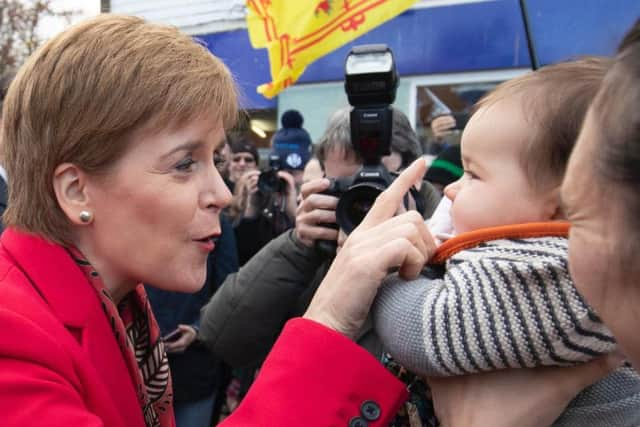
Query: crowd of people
x,y
155,271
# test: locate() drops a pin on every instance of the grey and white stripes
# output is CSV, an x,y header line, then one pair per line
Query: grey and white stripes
x,y
504,304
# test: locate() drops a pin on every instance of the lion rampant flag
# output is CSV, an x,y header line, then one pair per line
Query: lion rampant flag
x,y
296,33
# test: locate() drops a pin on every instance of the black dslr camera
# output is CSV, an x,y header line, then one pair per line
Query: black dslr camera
x,y
371,81
269,181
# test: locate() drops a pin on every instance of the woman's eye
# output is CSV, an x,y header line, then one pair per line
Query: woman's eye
x,y
185,165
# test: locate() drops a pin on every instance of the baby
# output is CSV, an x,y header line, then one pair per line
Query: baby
x,y
505,298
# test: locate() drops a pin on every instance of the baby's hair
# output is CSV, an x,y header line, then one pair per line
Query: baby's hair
x,y
554,100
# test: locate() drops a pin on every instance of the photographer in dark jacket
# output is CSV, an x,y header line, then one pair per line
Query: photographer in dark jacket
x,y
243,320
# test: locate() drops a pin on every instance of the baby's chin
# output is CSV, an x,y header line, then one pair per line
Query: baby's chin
x,y
460,228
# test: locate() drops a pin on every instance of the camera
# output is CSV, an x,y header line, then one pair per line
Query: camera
x,y
371,82
269,181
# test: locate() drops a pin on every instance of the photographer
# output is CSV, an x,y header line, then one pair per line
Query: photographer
x,y
243,320
292,145
244,158
264,204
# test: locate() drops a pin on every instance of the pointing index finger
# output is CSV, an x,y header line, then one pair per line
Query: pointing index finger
x,y
387,203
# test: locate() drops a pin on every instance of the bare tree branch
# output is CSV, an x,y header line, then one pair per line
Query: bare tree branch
x,y
19,38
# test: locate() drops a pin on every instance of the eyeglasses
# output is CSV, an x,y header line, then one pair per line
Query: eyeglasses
x,y
247,159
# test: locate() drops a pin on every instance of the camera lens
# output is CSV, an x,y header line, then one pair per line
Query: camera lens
x,y
355,204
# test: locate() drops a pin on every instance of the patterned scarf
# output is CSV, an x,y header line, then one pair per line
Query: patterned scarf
x,y
418,410
138,337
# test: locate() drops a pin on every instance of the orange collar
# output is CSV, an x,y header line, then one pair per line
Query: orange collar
x,y
516,231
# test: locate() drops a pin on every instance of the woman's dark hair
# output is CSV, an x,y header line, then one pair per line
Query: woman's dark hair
x,y
616,111
632,36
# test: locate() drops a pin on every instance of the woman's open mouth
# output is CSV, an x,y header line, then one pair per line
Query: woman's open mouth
x,y
208,243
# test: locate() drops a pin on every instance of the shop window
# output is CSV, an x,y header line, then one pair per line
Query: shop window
x,y
455,100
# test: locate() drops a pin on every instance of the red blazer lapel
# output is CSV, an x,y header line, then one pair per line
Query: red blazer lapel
x,y
54,274
73,300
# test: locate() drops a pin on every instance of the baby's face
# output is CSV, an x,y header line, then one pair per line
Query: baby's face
x,y
494,189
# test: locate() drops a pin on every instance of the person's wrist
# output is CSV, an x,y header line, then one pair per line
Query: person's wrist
x,y
300,241
328,321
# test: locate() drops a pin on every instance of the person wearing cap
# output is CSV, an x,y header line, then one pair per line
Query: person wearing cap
x,y
292,144
260,215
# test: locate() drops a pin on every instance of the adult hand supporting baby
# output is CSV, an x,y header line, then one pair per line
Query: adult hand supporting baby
x,y
381,242
514,397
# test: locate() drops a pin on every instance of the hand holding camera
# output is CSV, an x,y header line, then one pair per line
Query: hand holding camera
x,y
314,212
269,181
275,185
246,191
289,193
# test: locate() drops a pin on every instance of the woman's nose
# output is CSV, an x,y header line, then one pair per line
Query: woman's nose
x,y
225,195
216,194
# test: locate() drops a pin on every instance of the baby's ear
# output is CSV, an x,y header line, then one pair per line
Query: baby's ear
x,y
553,206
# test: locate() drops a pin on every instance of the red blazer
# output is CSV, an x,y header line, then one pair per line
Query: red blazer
x,y
60,364
315,377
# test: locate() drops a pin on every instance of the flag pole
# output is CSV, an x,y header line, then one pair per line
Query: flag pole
x,y
527,31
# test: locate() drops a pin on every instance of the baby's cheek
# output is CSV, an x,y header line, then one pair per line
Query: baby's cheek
x,y
456,218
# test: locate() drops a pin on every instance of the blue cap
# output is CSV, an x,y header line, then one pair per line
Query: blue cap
x,y
292,143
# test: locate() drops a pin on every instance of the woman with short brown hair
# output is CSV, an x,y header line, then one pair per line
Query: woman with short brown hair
x,y
110,131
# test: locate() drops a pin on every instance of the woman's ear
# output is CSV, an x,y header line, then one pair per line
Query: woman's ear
x,y
69,184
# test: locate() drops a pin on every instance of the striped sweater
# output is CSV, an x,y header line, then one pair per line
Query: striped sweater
x,y
505,303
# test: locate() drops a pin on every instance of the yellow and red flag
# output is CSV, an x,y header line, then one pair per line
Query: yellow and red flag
x,y
296,33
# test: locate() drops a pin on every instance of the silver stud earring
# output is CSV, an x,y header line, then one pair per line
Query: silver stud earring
x,y
86,217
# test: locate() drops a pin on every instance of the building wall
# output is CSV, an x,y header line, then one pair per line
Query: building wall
x,y
191,16
203,17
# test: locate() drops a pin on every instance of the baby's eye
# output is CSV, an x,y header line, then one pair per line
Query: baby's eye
x,y
470,174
